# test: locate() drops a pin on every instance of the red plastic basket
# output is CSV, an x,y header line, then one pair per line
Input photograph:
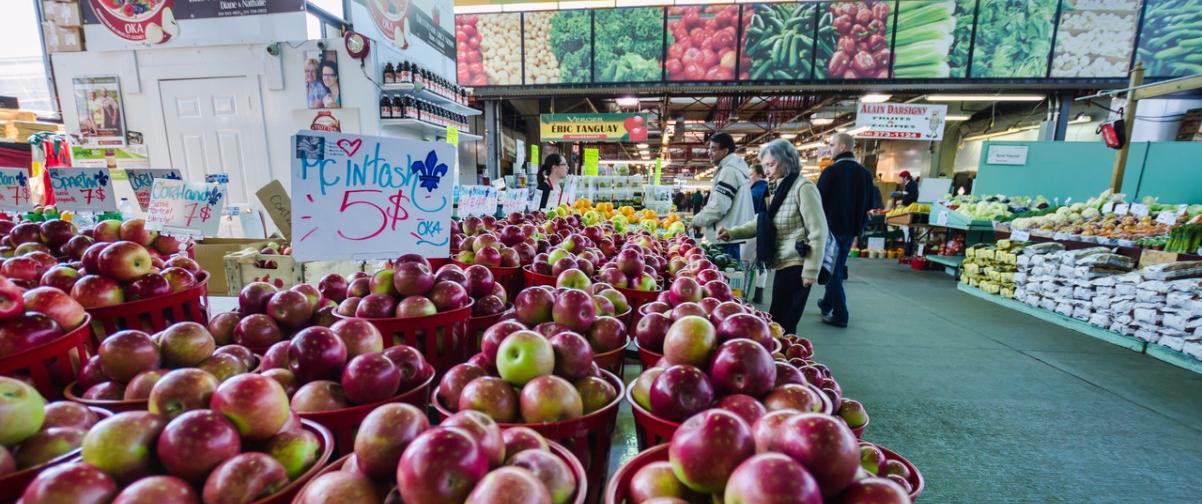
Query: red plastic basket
x,y
646,357
72,393
636,299
477,325
509,277
556,448
438,262
155,314
533,278
442,338
859,431
614,360
588,437
52,365
619,485
326,452
916,480
12,485
344,423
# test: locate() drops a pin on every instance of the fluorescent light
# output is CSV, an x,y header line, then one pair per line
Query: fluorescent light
x,y
477,9
957,117
822,121
788,136
875,98
811,145
627,101
643,146
982,97
583,4
528,7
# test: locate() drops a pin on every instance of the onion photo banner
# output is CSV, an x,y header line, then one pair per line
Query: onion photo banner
x,y
366,197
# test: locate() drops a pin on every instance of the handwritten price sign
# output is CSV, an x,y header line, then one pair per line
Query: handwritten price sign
x,y
83,189
477,200
14,190
362,197
514,200
185,208
141,180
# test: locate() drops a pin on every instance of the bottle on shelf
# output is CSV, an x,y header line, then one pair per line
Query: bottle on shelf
x,y
389,74
398,107
385,107
405,75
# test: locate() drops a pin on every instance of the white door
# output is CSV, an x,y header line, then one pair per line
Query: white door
x,y
214,126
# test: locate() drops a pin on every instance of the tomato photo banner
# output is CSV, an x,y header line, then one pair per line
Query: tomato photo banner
x,y
181,208
365,197
593,127
83,189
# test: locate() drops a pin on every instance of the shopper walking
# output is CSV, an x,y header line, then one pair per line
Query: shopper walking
x,y
790,234
729,199
846,188
550,176
909,188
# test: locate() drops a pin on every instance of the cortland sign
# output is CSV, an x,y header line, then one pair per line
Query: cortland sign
x,y
593,127
901,121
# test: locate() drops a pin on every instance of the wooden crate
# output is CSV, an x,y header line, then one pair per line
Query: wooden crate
x,y
246,266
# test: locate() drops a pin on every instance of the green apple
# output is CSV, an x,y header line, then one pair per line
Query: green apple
x,y
296,450
617,298
524,356
123,445
557,253
21,411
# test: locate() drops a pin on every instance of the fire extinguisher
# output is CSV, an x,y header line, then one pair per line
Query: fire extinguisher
x,y
1114,133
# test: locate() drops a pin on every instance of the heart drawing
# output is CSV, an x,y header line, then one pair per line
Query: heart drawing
x,y
350,147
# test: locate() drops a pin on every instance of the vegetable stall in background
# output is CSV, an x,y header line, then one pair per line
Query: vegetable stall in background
x,y
778,41
1013,38
853,40
630,43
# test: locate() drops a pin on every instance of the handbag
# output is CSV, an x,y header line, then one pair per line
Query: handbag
x,y
829,251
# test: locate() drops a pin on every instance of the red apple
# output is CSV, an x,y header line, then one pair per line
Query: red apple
x,y
442,465
607,334
706,449
68,414
254,296
221,327
825,446
257,405
157,490
492,396
319,395
149,286
415,306
290,309
509,485
574,309
333,286
76,482
533,306
655,482
410,363
412,278
452,383
22,269
549,399
519,439
316,353
60,277
359,336
245,478
105,391
448,295
492,337
75,247
127,353
772,477
679,392
376,306
27,331
595,393
742,366
135,230
138,388
651,330
689,341
359,287
340,486
573,355
384,435
179,279
484,430
257,331
181,390
554,474
195,443
804,398
185,344
124,261
369,378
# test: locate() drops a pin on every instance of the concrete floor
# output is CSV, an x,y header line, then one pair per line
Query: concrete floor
x,y
996,406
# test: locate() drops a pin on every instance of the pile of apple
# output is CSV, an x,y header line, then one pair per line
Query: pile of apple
x,y
346,364
577,305
686,296
508,250
411,289
129,364
786,456
400,457
34,317
36,432
266,315
245,446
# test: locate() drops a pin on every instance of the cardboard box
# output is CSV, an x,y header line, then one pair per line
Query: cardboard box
x,y
245,266
59,39
211,252
275,200
62,14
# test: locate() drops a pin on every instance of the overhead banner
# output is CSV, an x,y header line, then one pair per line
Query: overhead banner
x,y
82,189
422,31
142,180
901,121
181,208
119,24
593,127
365,197
14,190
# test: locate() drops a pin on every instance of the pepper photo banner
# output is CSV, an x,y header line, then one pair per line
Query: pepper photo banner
x,y
365,197
593,127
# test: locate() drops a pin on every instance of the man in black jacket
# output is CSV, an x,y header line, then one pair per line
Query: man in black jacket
x,y
846,188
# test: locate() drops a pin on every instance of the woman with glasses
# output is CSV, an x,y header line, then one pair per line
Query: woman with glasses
x,y
790,234
329,79
550,176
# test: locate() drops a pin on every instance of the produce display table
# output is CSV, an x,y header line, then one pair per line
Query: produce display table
x,y
1129,342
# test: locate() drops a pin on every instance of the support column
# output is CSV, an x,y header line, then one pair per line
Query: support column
x,y
492,138
1063,116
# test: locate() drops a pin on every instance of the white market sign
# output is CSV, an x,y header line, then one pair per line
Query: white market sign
x,y
82,189
1006,155
181,208
901,121
365,197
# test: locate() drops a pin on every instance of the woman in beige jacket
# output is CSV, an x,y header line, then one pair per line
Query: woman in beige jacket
x,y
794,220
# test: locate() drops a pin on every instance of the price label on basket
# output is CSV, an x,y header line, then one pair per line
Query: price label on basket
x,y
365,197
1181,209
514,200
1020,235
941,219
1122,209
1139,209
14,190
1166,218
1108,207
142,179
83,189
477,200
181,208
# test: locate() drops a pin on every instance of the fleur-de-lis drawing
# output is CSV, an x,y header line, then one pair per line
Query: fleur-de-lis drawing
x,y
214,197
21,179
171,176
431,171
102,178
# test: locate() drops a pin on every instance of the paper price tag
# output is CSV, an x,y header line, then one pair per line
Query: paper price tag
x,y
1181,209
364,197
1122,209
514,200
452,135
1139,209
185,208
477,200
1020,235
941,219
141,180
1166,218
592,160
14,190
1108,207
83,189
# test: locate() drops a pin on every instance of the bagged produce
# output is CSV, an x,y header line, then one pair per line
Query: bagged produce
x,y
1114,261
1173,271
1073,257
1043,248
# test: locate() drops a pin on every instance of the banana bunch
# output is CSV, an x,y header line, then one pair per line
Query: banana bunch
x,y
919,208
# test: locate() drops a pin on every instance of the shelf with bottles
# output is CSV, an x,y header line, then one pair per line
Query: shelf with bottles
x,y
410,79
424,129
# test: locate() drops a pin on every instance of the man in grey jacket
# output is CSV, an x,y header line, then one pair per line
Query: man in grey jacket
x,y
730,176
